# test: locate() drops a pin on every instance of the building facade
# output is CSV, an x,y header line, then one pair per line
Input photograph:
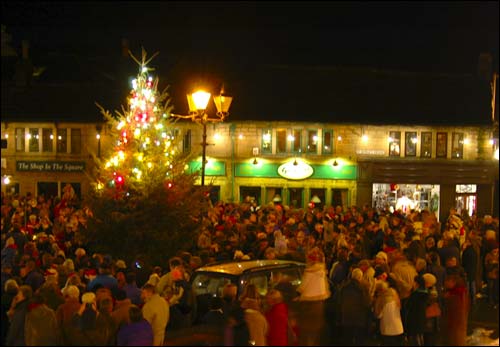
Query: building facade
x,y
384,166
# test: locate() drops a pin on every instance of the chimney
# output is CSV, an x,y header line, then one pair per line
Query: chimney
x,y
485,66
125,48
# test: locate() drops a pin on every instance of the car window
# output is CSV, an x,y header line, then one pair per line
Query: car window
x,y
266,280
209,284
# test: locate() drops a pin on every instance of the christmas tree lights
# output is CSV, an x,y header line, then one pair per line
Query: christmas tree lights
x,y
144,150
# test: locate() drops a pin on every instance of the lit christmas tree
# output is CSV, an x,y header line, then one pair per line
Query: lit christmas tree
x,y
145,203
144,154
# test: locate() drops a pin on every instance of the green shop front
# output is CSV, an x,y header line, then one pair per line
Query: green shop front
x,y
295,181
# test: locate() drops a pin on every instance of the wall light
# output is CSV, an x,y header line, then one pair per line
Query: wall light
x,y
364,138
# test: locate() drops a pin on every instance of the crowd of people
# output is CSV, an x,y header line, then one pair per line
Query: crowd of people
x,y
399,278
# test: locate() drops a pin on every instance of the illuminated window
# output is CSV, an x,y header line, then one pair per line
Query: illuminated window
x,y
410,144
441,145
312,141
34,140
62,140
457,145
426,145
47,140
267,143
327,142
394,143
20,140
465,188
281,141
297,140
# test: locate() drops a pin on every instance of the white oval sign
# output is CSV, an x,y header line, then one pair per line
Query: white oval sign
x,y
295,170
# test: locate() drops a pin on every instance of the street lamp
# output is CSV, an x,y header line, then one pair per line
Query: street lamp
x,y
197,103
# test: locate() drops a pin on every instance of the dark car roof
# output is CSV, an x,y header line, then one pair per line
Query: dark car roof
x,y
239,267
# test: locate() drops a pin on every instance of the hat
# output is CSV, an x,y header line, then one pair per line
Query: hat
x,y
382,255
88,298
277,198
429,280
51,272
357,274
72,291
154,279
120,264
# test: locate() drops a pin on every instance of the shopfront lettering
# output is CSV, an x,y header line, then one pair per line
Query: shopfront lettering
x,y
295,170
52,166
370,152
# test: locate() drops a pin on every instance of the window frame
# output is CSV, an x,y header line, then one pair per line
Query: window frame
x,y
426,142
62,143
20,138
312,145
441,145
47,142
34,140
279,141
394,139
409,144
296,143
267,144
459,138
326,133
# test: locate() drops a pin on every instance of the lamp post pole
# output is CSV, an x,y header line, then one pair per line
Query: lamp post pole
x,y
204,153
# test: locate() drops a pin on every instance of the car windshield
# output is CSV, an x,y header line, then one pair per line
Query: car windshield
x,y
211,283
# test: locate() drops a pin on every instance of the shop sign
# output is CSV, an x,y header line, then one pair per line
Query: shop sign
x,y
52,166
294,170
212,168
271,170
370,152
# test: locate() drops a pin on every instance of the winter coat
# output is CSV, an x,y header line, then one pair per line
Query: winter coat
x,y
314,284
41,328
354,305
135,334
64,316
415,312
456,313
15,335
120,312
256,321
157,312
404,273
277,318
469,262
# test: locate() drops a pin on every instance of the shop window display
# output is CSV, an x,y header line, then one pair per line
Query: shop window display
x,y
406,197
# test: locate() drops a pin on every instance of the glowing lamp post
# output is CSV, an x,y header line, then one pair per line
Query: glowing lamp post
x,y
197,103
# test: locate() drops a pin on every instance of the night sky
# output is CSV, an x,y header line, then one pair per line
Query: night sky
x,y
231,38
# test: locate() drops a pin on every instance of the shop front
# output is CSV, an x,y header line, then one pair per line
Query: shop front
x,y
434,186
48,178
296,183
